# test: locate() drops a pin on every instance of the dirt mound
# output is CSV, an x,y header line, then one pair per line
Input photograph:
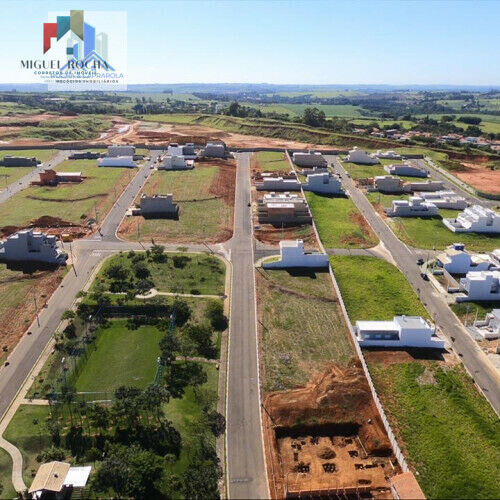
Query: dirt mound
x,y
49,221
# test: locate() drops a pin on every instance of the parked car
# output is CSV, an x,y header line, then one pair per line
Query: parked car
x,y
420,262
424,276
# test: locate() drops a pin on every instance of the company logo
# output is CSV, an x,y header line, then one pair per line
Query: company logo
x,y
83,46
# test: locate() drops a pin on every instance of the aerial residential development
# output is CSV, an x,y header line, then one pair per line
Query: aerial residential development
x,y
282,288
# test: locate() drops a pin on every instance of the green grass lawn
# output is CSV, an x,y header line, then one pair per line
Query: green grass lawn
x,y
450,432
70,202
363,171
6,488
471,310
200,273
80,128
121,357
339,223
9,175
271,161
302,327
202,214
373,289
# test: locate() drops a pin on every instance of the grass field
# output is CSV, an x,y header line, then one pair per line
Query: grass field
x,y
8,175
271,161
450,432
202,273
203,215
339,223
373,289
303,328
80,128
121,357
363,171
70,202
6,488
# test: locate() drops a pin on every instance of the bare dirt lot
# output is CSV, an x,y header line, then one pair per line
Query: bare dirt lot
x,y
480,177
327,438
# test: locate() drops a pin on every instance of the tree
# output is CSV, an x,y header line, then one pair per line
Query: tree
x,y
117,272
153,397
473,131
234,109
51,454
141,271
169,346
215,314
183,375
157,253
313,117
68,314
202,336
470,120
217,423
201,480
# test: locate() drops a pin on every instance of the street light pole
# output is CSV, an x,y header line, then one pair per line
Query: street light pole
x,y
36,309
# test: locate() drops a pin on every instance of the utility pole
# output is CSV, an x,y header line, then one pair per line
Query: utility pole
x,y
72,259
36,309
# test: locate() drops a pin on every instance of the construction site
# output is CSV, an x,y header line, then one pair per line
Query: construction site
x,y
326,439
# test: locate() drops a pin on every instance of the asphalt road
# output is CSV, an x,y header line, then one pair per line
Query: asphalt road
x,y
476,362
25,181
245,453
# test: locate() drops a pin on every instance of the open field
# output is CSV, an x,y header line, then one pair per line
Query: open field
x,y
339,223
6,488
178,273
8,175
363,171
270,161
73,203
302,334
206,198
120,356
448,430
373,289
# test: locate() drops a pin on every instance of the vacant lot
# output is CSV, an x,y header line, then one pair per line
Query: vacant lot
x,y
339,223
70,202
178,273
373,289
302,327
8,175
449,432
120,356
363,171
205,197
270,161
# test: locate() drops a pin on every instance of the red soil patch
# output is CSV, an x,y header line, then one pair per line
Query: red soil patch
x,y
480,177
49,225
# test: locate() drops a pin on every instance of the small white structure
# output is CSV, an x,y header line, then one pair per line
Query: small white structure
x,y
215,150
115,151
456,260
445,199
388,184
414,207
187,150
402,331
489,328
309,159
58,480
77,477
286,197
323,183
175,162
388,155
158,205
359,156
424,185
292,254
269,183
30,246
480,286
406,170
475,219
117,161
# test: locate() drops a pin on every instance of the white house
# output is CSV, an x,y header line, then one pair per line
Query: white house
x,y
114,151
323,183
187,150
445,199
414,207
292,254
309,159
424,185
215,150
388,155
158,205
402,331
388,184
475,219
175,162
30,246
456,260
269,183
489,328
117,161
406,170
359,156
480,286
286,197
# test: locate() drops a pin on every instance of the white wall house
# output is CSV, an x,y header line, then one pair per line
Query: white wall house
x,y
425,185
30,246
445,199
309,159
456,260
158,205
480,286
414,207
292,254
175,162
475,219
114,151
402,331
359,156
215,150
286,197
489,328
406,170
388,155
186,150
117,161
277,184
323,183
388,184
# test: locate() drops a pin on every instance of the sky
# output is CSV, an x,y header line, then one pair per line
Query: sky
x,y
282,41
